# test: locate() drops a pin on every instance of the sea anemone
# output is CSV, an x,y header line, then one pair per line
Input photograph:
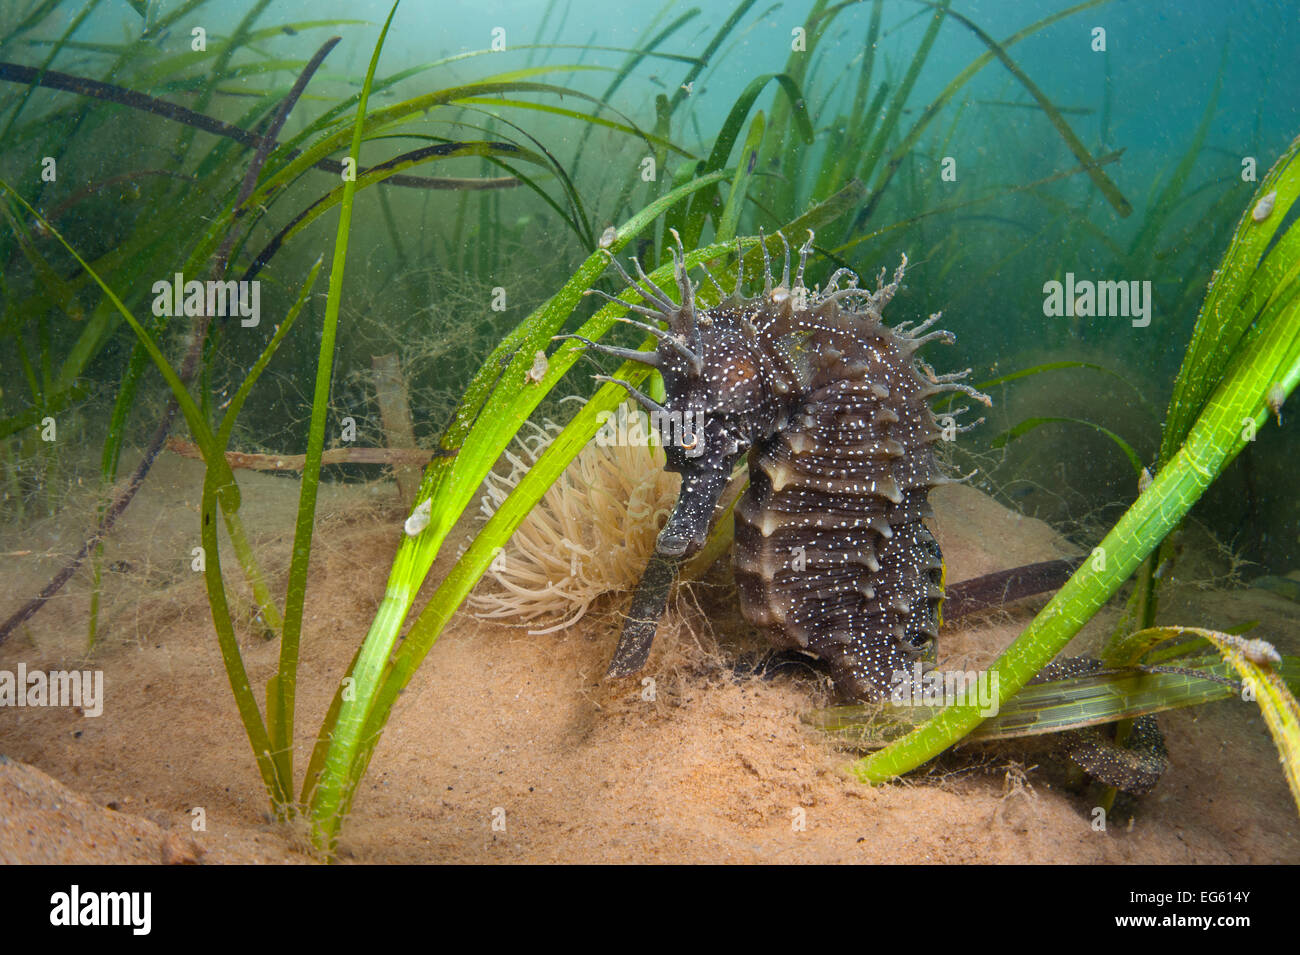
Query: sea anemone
x,y
591,533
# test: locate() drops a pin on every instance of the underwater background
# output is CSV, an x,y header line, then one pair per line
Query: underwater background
x,y
1182,95
1029,159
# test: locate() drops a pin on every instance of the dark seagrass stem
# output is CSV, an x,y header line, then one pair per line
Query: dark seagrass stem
x,y
84,86
1005,586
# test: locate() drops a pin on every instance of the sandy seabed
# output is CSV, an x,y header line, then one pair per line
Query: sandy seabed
x,y
718,767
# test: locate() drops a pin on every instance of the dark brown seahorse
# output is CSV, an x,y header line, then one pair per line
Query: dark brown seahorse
x,y
832,556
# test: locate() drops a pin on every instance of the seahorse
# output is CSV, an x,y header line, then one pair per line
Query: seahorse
x,y
831,406
832,556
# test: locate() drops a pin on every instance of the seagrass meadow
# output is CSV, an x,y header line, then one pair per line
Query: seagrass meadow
x,y
351,368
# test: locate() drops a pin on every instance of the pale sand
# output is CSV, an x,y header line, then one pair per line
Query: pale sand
x,y
715,768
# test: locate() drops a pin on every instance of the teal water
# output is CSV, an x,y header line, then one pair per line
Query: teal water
x,y
1187,93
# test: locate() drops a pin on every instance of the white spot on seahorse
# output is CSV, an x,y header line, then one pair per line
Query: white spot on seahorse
x,y
419,518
